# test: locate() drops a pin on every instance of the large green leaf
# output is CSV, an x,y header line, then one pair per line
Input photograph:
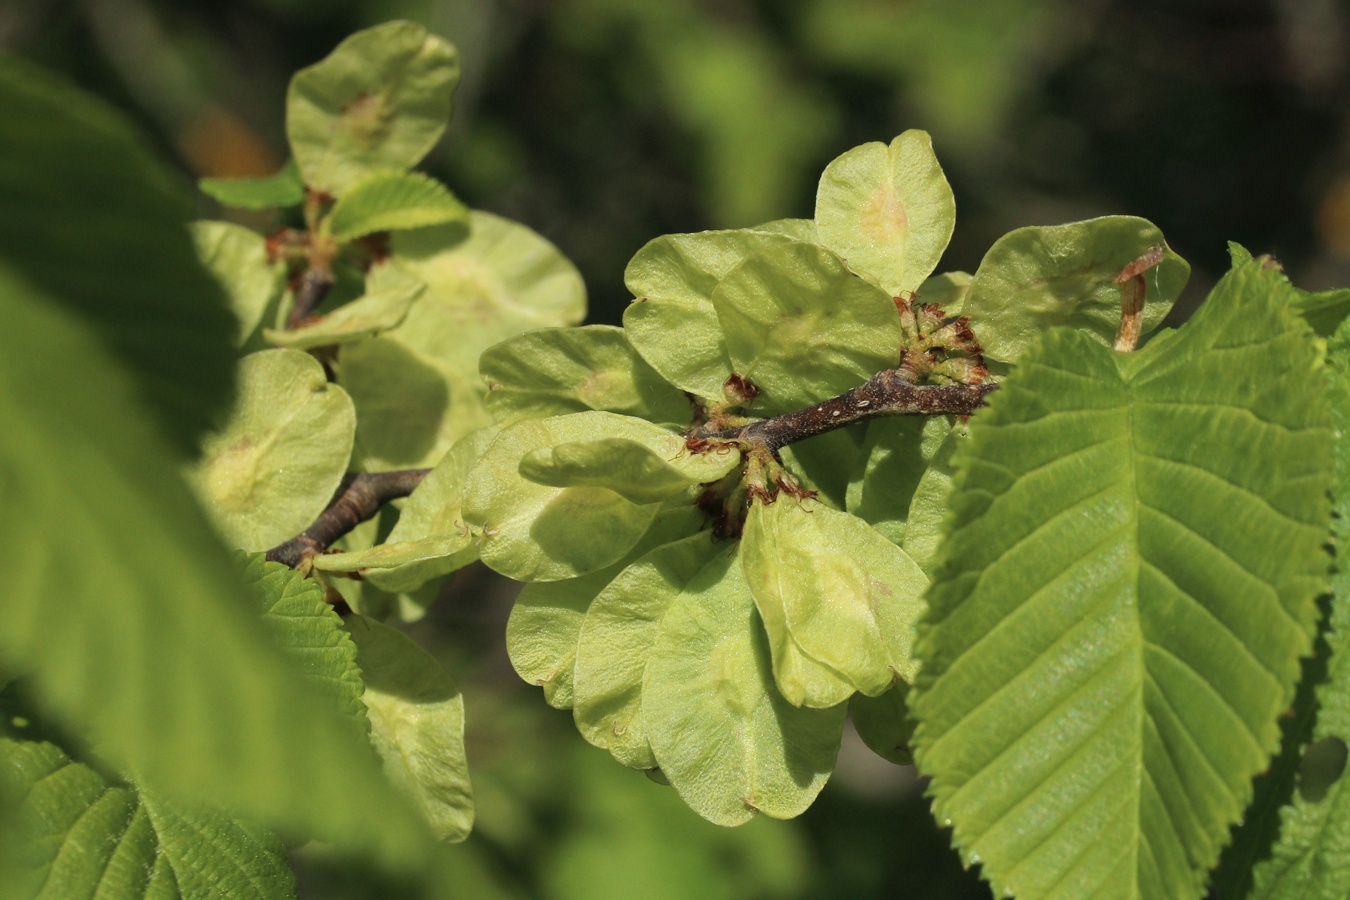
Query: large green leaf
x,y
387,201
417,389
552,371
1040,276
379,101
276,464
1311,859
673,279
888,210
838,600
802,327
95,223
723,735
1117,618
129,614
417,725
85,834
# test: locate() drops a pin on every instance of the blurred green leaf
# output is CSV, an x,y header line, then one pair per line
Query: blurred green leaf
x,y
84,833
379,101
883,723
98,226
142,636
388,201
282,189
273,468
887,210
1127,585
417,725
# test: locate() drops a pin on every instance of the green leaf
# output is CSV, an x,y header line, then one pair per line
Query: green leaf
x,y
417,388
417,725
631,469
1324,310
931,502
390,292
278,461
309,631
802,327
673,279
1312,856
947,290
883,723
1040,276
824,462
797,229
432,514
97,225
237,257
894,459
888,210
723,735
85,833
839,601
285,188
141,639
388,201
545,623
1128,584
535,532
379,101
553,371
615,639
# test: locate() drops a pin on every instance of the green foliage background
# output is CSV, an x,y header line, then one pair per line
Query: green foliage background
x,y
603,123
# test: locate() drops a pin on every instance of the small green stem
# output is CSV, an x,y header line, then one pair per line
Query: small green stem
x,y
359,498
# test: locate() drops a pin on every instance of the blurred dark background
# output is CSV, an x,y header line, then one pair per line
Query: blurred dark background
x,y
604,123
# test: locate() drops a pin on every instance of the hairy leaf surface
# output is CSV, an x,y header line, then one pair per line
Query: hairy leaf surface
x,y
1040,276
888,210
389,201
379,101
802,327
274,467
1117,618
553,371
839,601
416,725
721,732
83,833
615,639
673,278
